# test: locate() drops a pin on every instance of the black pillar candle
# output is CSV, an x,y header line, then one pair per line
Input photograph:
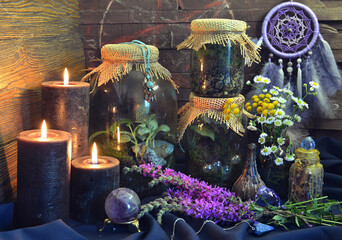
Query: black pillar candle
x,y
90,185
43,193
66,107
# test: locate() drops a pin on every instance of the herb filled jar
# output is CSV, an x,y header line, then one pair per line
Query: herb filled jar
x,y
133,108
213,121
220,50
212,132
306,174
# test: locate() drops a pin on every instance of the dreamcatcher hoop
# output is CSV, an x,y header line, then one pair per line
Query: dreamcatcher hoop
x,y
284,34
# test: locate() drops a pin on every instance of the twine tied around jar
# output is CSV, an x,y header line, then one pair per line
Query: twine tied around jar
x,y
221,31
119,59
212,108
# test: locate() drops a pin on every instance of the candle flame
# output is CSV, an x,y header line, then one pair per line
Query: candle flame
x,y
43,134
118,134
94,154
66,77
114,109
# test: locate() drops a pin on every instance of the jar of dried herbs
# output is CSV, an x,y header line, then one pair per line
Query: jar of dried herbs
x,y
221,49
306,175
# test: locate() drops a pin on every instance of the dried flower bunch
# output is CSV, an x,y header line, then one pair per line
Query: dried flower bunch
x,y
276,110
193,197
201,200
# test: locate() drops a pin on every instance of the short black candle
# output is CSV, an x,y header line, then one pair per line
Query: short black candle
x,y
90,185
66,107
43,193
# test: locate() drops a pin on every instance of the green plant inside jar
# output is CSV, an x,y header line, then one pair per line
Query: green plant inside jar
x,y
138,137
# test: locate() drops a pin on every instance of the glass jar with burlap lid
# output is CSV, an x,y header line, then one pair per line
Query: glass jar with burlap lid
x,y
133,107
211,130
221,48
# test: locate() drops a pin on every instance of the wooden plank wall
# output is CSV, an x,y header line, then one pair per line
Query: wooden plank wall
x,y
38,39
165,23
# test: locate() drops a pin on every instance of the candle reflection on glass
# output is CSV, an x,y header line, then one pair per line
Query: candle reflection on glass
x,y
92,179
43,193
118,138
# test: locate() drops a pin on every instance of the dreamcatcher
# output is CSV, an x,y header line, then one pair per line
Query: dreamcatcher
x,y
291,32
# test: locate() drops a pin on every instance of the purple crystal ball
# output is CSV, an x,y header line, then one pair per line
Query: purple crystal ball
x,y
122,205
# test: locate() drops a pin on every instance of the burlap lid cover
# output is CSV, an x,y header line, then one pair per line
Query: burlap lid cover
x,y
119,59
211,108
221,31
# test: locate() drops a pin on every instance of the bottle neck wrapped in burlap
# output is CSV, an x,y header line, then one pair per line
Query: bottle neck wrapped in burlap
x,y
214,109
119,59
221,31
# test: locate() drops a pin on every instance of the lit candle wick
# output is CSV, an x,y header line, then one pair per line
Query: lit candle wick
x,y
43,134
94,155
66,77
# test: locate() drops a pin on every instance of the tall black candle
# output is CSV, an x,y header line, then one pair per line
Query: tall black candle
x,y
43,177
66,107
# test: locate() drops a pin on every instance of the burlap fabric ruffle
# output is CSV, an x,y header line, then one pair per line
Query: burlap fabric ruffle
x,y
221,31
212,108
119,60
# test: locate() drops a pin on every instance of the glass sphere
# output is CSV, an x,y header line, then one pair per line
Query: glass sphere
x,y
122,205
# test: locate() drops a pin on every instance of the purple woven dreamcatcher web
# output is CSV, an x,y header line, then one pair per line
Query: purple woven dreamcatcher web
x,y
291,32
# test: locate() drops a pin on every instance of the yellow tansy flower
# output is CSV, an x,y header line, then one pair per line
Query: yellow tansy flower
x,y
236,111
234,105
270,106
259,109
256,100
267,100
261,95
268,95
265,112
249,108
272,112
254,105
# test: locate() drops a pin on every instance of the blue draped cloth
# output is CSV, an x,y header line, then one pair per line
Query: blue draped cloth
x,y
331,158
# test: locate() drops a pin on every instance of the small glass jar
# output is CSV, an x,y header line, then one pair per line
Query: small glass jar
x,y
306,175
217,70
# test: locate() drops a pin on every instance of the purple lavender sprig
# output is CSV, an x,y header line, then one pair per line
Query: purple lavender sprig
x,y
193,197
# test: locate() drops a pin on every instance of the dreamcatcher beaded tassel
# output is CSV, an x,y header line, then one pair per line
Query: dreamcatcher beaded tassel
x,y
290,31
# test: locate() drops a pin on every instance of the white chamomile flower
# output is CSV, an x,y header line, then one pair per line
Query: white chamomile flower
x,y
266,80
263,134
258,79
274,149
278,161
312,89
251,128
274,92
283,106
282,100
261,119
288,122
289,157
266,151
314,84
280,113
281,141
274,98
261,140
270,120
265,90
279,89
300,102
297,118
294,98
289,92
278,123
248,82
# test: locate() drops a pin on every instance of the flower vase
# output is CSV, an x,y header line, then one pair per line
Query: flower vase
x,y
275,176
